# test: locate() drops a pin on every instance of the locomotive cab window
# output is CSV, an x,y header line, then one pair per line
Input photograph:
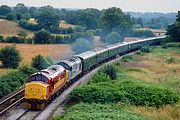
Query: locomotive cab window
x,y
38,78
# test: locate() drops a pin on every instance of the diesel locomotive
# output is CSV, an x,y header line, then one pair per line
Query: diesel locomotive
x,y
43,86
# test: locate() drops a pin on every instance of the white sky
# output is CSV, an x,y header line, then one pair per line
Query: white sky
x,y
125,5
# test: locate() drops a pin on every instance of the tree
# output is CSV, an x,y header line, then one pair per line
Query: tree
x,y
10,57
174,29
11,16
113,19
40,62
42,37
20,8
48,19
113,38
4,10
82,45
140,22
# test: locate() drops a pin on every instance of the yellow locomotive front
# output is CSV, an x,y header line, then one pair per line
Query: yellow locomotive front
x,y
36,92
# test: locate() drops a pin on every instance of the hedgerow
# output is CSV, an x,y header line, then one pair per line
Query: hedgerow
x,y
84,111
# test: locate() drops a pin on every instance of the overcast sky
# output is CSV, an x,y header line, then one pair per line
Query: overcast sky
x,y
125,5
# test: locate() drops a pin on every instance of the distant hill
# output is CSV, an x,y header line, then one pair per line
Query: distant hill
x,y
150,15
11,28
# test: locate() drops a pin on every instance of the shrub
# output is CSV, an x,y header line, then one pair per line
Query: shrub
x,y
113,38
172,44
11,81
10,57
109,70
26,69
84,111
40,62
135,93
1,38
142,33
171,60
14,39
82,45
146,49
42,37
100,77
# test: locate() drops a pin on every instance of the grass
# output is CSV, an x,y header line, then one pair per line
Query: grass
x,y
164,113
65,25
161,72
87,111
11,28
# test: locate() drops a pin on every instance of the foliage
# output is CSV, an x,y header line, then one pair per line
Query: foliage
x,y
113,38
26,69
20,8
100,77
87,18
11,16
84,111
22,34
126,91
29,26
174,29
40,62
141,33
42,37
171,44
48,20
146,49
171,60
4,10
10,57
11,81
109,70
127,58
113,19
82,45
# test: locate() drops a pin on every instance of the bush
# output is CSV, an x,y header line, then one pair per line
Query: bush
x,y
84,111
171,44
145,49
100,77
42,37
109,70
10,57
1,38
26,69
135,93
142,33
171,60
113,38
40,62
14,39
11,81
29,26
82,45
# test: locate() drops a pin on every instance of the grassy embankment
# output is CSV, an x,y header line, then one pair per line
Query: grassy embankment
x,y
147,87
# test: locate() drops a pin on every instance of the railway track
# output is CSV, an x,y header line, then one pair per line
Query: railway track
x,y
12,100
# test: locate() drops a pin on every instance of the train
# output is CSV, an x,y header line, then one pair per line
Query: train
x,y
44,86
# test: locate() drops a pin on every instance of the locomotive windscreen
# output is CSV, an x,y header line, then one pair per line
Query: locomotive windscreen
x,y
38,77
